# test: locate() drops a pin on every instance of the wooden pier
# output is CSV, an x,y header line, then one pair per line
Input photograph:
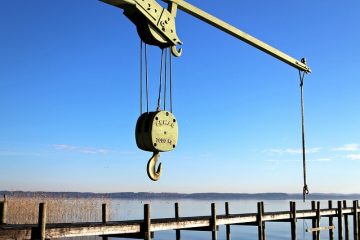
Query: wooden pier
x,y
147,227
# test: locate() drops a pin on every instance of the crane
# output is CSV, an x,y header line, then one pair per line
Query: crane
x,y
156,25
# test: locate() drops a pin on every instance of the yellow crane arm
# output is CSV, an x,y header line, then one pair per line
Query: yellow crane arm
x,y
218,23
156,26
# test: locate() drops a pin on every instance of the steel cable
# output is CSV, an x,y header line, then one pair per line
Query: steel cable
x,y
160,83
305,188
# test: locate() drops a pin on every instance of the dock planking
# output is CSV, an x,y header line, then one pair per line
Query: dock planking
x,y
147,227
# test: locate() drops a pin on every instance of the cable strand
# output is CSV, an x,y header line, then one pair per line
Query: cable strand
x,y
171,105
141,70
305,188
165,78
147,79
160,83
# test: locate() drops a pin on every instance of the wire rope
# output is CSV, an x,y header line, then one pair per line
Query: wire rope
x,y
141,76
171,105
147,79
305,187
160,83
165,77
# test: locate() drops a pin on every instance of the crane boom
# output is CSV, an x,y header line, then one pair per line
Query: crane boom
x,y
218,23
156,26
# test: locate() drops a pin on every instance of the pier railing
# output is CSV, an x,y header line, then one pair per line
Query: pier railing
x,y
146,227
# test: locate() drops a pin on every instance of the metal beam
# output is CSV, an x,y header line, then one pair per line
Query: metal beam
x,y
218,23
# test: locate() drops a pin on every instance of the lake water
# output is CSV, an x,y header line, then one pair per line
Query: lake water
x,y
131,210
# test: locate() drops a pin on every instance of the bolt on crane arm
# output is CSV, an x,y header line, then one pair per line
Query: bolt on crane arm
x,y
156,26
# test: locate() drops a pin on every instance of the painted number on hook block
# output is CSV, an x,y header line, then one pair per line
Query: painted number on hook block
x,y
157,131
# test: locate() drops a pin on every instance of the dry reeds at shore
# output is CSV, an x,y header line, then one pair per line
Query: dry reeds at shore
x,y
25,210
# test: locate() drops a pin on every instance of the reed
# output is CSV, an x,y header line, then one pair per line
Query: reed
x,y
24,210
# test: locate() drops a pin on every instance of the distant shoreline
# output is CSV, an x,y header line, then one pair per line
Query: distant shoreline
x,y
184,196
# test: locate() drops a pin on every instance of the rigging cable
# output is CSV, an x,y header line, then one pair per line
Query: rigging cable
x,y
305,187
147,79
302,76
160,83
170,56
165,76
141,86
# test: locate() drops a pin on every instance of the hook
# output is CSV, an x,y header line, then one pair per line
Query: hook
x,y
175,52
151,167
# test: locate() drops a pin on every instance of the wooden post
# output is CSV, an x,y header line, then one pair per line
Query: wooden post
x,y
293,220
261,225
340,221
3,212
147,222
331,223
105,217
227,213
213,222
177,216
42,220
356,220
358,216
346,222
318,220
105,213
313,208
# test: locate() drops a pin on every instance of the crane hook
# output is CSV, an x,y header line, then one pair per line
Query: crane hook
x,y
151,167
175,52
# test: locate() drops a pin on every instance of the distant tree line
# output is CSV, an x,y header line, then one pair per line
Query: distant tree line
x,y
195,196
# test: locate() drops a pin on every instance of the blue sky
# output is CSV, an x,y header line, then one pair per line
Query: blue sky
x,y
69,99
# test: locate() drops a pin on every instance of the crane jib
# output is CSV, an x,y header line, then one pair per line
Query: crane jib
x,y
218,23
159,29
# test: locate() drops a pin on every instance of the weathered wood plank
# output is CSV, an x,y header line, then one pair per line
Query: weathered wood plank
x,y
42,220
227,213
3,212
355,220
260,221
104,216
318,220
317,229
340,221
129,227
213,223
331,223
104,213
201,229
147,222
346,222
177,216
16,233
293,220
313,221
130,235
39,232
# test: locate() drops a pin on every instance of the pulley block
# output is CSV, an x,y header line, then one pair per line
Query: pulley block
x,y
156,131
